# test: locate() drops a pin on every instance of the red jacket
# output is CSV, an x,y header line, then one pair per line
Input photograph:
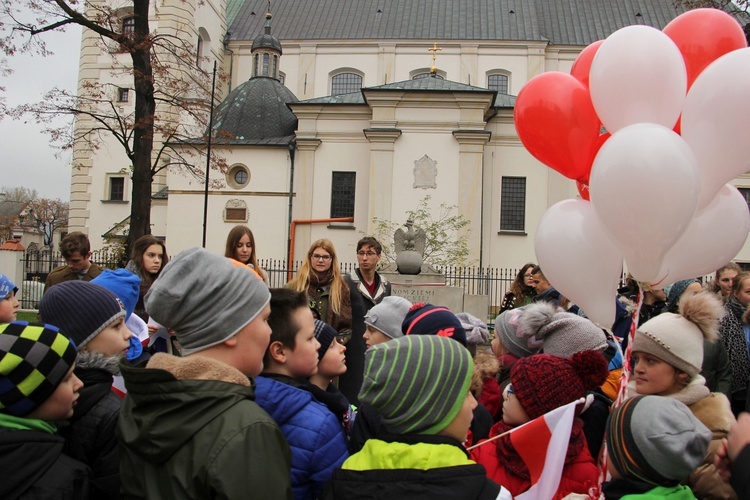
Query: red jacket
x,y
577,476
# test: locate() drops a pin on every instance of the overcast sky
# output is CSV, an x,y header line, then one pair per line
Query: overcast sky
x,y
27,158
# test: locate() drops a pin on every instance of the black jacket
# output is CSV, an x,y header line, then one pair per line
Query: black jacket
x,y
35,468
91,436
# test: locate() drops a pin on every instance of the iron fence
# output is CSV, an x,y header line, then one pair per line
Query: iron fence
x,y
492,282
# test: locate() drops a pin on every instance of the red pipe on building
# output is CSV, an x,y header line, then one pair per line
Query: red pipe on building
x,y
293,231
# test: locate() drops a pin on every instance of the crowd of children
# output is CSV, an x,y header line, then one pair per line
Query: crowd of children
x,y
250,406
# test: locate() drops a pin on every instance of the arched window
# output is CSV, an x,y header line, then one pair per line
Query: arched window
x,y
345,83
498,82
266,59
419,76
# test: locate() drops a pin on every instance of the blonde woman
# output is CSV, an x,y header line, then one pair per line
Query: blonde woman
x,y
320,277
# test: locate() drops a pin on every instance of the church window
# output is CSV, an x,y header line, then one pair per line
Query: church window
x,y
345,83
498,82
116,189
128,25
275,66
256,65
513,204
343,186
199,52
238,176
419,76
745,192
123,94
266,59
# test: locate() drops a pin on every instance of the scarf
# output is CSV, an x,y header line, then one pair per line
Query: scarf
x,y
26,424
319,280
513,462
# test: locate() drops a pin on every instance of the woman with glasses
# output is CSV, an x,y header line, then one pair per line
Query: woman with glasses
x,y
241,247
320,277
522,291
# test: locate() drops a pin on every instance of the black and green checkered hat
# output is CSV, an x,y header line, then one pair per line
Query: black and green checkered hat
x,y
34,359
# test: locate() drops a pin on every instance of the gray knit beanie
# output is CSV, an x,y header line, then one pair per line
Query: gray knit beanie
x,y
80,309
418,383
656,440
561,333
205,298
512,336
387,316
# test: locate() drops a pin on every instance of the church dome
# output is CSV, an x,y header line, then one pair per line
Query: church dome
x,y
266,41
255,110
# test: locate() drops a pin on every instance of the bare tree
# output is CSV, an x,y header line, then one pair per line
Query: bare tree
x,y
166,74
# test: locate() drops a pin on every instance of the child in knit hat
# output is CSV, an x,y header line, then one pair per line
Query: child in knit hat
x,y
37,388
189,426
667,355
653,444
420,386
314,434
383,321
427,319
539,384
93,318
331,364
8,301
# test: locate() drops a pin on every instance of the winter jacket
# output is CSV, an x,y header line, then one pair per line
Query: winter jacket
x,y
35,468
623,489
189,428
716,368
414,467
61,274
314,434
91,436
713,410
361,300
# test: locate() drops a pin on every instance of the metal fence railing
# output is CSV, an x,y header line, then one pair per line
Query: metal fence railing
x,y
493,282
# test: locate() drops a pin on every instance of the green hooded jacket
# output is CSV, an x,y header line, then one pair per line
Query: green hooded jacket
x,y
183,436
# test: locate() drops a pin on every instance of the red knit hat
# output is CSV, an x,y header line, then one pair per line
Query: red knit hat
x,y
543,382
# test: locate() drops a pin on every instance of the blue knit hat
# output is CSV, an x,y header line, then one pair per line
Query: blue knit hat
x,y
677,289
124,284
325,334
426,319
34,360
6,286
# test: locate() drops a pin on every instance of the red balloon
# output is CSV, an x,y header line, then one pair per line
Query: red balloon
x,y
582,64
583,190
556,122
704,35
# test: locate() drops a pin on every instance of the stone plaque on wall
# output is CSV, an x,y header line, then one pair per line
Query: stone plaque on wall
x,y
449,296
425,173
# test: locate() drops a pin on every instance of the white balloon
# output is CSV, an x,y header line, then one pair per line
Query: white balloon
x,y
714,121
580,259
714,237
644,187
638,75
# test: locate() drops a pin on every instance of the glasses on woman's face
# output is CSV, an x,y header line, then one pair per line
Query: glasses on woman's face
x,y
507,392
528,276
317,256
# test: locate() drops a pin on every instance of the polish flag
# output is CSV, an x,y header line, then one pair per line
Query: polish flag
x,y
542,444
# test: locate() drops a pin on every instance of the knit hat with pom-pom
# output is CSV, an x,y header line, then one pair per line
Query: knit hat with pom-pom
x,y
561,333
512,335
427,319
678,338
544,382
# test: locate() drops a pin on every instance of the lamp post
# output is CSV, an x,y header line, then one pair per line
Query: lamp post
x,y
208,155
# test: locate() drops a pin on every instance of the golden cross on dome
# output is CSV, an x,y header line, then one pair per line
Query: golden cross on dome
x,y
434,51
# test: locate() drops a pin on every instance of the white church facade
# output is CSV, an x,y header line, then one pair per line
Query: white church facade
x,y
336,102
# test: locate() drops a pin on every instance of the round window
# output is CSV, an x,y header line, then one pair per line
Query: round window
x,y
238,176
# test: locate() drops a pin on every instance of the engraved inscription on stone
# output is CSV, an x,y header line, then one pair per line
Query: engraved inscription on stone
x,y
415,295
425,173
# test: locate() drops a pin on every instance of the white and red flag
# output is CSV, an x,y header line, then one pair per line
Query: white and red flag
x,y
542,444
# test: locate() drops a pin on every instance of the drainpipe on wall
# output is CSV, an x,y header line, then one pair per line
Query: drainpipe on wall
x,y
293,230
291,146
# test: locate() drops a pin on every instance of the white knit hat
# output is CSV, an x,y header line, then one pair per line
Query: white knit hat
x,y
678,338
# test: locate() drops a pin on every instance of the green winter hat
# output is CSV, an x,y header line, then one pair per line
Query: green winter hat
x,y
418,383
